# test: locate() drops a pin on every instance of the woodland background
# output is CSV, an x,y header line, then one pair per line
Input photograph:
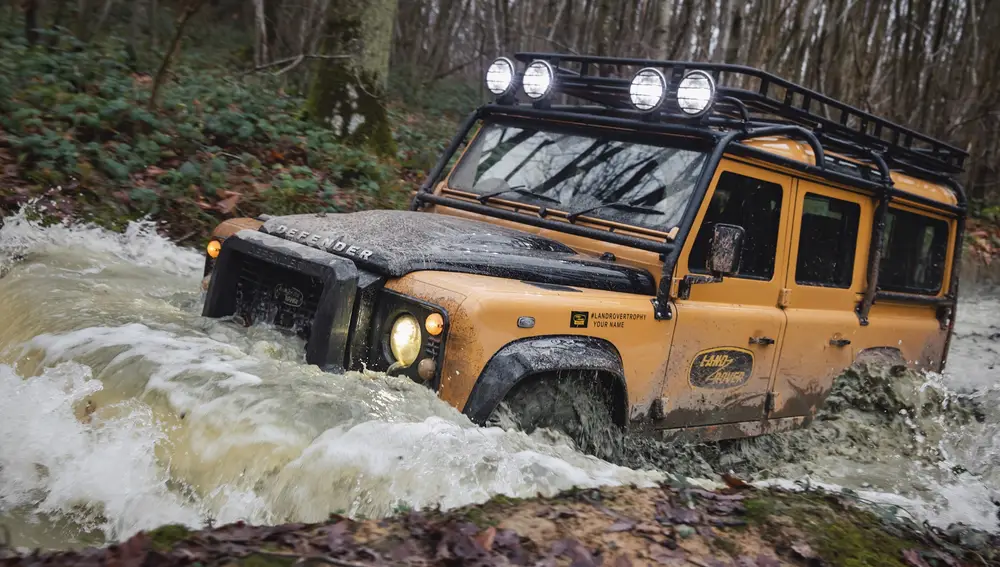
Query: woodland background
x,y
194,110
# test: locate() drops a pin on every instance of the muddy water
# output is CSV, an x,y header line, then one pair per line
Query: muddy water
x,y
122,409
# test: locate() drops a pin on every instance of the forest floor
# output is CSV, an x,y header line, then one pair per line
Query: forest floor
x,y
621,526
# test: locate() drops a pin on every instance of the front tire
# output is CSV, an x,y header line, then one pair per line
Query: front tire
x,y
576,405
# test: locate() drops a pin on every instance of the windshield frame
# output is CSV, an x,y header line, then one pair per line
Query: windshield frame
x,y
701,144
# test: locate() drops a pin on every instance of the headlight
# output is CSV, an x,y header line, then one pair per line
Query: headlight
x,y
537,80
404,339
647,89
695,93
500,76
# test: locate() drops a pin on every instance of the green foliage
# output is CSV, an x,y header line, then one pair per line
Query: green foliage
x,y
74,126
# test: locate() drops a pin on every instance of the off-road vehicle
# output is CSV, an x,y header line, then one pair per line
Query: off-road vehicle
x,y
701,248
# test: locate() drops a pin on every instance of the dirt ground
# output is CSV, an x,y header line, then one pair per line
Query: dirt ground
x,y
623,526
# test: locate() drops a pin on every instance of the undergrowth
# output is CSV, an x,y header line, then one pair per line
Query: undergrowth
x,y
77,136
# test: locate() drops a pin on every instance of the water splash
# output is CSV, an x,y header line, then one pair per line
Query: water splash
x,y
125,409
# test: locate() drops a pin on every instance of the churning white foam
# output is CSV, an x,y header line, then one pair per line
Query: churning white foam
x,y
102,472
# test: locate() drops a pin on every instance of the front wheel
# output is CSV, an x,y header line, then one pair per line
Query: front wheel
x,y
576,405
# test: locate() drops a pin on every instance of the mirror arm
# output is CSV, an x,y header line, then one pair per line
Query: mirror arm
x,y
684,288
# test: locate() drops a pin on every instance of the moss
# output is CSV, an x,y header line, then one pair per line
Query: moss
x,y
726,545
843,536
758,510
166,537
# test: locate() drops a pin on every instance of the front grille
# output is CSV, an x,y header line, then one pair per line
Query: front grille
x,y
278,296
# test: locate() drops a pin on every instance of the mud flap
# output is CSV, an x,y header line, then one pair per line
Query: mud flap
x,y
527,357
266,265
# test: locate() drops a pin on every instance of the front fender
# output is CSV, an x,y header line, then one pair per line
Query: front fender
x,y
524,358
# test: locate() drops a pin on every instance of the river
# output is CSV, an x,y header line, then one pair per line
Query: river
x,y
123,409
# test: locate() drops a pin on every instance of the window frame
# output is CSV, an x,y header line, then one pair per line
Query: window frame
x,y
806,194
947,250
784,193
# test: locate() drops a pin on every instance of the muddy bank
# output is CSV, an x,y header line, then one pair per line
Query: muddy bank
x,y
663,525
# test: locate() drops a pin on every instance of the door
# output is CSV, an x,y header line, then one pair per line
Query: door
x,y
825,278
728,334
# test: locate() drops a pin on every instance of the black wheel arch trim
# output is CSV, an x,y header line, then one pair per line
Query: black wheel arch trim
x,y
521,359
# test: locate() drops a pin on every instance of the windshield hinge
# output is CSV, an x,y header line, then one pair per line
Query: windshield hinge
x,y
661,309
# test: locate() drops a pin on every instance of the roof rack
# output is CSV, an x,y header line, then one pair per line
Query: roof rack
x,y
759,97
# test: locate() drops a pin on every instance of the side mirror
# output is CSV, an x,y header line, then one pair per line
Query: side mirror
x,y
727,246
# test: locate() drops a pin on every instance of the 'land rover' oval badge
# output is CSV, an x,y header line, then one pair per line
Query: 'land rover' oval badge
x,y
288,295
721,368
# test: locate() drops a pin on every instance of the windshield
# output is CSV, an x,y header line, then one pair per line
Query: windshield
x,y
650,185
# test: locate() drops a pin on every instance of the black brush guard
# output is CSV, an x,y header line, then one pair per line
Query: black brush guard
x,y
259,278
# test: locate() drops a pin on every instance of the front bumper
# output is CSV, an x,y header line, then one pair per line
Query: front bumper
x,y
341,311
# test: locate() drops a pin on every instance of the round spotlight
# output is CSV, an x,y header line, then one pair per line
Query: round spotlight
x,y
404,339
537,80
213,249
500,76
696,93
648,88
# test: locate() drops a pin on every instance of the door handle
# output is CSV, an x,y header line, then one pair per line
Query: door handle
x,y
840,342
761,341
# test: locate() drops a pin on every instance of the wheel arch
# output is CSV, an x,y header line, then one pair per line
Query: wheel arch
x,y
524,359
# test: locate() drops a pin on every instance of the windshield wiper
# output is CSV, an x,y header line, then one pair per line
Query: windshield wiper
x,y
623,205
520,190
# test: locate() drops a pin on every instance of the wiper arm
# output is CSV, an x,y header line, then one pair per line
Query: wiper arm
x,y
520,190
623,205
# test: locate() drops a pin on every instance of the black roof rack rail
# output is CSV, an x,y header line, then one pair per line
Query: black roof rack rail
x,y
759,98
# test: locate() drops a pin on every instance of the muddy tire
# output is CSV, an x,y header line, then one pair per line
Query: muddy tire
x,y
574,405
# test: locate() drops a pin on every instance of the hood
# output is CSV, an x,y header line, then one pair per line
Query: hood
x,y
395,243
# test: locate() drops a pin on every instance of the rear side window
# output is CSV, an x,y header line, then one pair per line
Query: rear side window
x,y
753,204
914,248
828,239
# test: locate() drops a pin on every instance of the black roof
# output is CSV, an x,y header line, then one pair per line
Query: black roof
x,y
749,96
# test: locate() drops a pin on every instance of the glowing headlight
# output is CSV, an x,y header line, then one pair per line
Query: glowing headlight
x,y
404,339
647,89
500,76
537,80
696,92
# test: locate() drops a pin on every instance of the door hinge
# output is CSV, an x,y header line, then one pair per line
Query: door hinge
x,y
785,297
769,403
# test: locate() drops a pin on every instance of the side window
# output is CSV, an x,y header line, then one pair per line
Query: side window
x,y
914,248
756,206
828,237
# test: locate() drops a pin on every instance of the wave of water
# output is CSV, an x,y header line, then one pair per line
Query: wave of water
x,y
124,409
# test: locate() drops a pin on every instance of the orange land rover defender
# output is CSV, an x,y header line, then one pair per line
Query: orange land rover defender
x,y
701,248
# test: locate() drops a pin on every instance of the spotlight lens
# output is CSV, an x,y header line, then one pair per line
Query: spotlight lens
x,y
695,93
499,76
537,81
647,89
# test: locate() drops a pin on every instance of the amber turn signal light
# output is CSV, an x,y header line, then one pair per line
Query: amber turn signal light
x,y
434,324
213,249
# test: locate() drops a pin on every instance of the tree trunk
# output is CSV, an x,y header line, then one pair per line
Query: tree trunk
x,y
347,94
190,8
31,21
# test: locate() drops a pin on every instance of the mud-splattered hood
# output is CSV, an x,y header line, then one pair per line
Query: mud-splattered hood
x,y
395,243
